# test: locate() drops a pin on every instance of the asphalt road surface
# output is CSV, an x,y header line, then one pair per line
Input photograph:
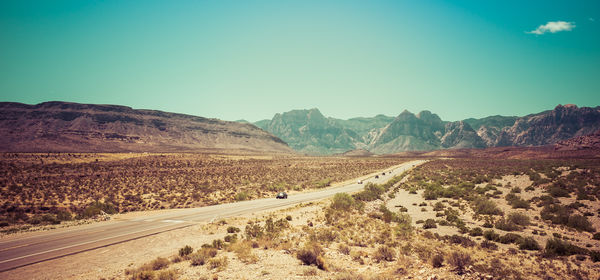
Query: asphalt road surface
x,y
38,247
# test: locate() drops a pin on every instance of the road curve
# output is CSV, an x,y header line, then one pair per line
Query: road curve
x,y
22,251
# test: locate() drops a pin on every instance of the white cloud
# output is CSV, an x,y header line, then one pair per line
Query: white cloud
x,y
553,27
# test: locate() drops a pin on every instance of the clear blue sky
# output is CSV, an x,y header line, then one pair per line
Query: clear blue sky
x,y
251,59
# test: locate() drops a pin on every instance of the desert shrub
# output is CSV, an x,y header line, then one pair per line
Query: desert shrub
x,y
243,251
517,202
488,245
202,256
556,213
231,238
311,254
160,263
50,219
429,223
232,229
476,231
96,208
528,243
437,260
185,251
509,238
491,235
404,227
273,228
438,206
558,190
384,253
515,190
387,215
370,192
253,230
218,244
323,183
484,206
344,249
529,188
518,218
218,263
461,240
459,260
143,275
241,196
594,255
170,274
506,225
596,236
288,217
64,215
580,222
558,247
342,201
346,275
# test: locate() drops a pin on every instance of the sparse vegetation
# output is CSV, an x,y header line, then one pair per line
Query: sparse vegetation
x,y
45,189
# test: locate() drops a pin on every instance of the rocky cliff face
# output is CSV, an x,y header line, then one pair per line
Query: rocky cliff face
x,y
426,131
460,135
308,131
550,127
73,127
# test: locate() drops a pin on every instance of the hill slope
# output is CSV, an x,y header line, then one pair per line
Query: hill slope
x,y
74,127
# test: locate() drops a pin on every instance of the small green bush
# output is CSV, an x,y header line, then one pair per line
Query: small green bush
x,y
311,254
518,218
509,238
233,229
437,260
491,235
476,231
460,261
241,196
185,251
558,247
528,243
429,223
384,253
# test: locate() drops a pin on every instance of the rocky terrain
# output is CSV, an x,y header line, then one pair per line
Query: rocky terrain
x,y
73,127
587,142
308,131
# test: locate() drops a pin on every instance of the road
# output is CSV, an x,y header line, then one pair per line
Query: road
x,y
21,251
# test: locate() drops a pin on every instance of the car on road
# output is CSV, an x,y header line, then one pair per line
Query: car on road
x,y
376,176
383,173
281,195
359,182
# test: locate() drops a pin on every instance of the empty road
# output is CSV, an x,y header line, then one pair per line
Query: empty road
x,y
38,247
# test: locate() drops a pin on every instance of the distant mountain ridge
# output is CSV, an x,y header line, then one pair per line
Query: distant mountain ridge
x,y
74,127
308,131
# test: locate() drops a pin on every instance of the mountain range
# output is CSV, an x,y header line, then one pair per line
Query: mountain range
x,y
74,127
308,131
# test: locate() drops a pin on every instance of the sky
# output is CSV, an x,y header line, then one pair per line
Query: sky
x,y
251,59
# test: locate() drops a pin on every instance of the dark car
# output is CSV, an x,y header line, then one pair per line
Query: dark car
x,y
281,195
376,176
383,173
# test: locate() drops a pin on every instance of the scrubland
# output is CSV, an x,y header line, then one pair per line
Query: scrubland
x,y
50,189
489,219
